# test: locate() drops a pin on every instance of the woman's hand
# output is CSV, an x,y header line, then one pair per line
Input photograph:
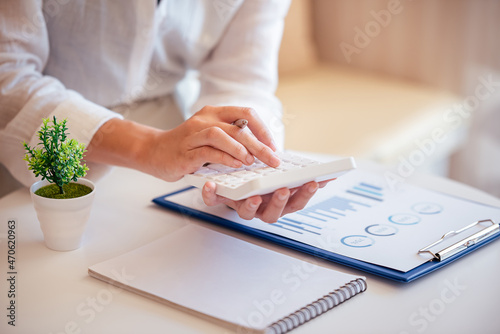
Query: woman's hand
x,y
209,136
269,208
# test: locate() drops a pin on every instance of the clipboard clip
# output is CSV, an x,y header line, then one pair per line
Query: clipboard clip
x,y
464,243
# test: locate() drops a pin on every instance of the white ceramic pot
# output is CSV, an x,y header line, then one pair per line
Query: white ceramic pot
x,y
62,220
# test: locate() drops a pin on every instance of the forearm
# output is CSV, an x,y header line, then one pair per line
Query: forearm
x,y
123,143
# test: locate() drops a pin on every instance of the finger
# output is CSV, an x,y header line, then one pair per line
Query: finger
x,y
300,199
252,145
218,138
274,208
196,158
210,197
322,184
248,207
229,114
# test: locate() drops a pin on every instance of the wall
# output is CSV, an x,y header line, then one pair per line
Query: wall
x,y
442,43
448,44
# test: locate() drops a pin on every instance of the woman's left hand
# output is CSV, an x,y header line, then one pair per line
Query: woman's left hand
x,y
269,208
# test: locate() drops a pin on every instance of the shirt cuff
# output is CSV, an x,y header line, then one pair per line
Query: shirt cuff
x,y
84,118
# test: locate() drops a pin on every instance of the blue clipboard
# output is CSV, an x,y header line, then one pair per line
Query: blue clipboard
x,y
440,259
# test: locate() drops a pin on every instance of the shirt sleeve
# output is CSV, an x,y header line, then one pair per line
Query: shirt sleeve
x,y
242,70
27,95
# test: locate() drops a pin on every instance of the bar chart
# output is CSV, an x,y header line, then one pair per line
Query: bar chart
x,y
313,219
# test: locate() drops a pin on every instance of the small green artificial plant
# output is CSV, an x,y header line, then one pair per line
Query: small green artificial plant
x,y
58,160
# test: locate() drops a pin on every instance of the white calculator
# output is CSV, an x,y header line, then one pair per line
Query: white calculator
x,y
260,179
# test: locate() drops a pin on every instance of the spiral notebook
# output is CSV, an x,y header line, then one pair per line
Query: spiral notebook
x,y
232,282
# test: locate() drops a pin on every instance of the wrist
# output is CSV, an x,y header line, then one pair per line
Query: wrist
x,y
122,143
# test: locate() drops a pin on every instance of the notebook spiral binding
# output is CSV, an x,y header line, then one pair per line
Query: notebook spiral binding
x,y
320,306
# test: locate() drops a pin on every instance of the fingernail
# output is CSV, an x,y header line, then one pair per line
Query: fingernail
x,y
282,196
249,159
207,188
275,161
313,187
252,205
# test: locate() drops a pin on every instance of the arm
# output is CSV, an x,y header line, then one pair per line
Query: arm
x,y
207,136
27,96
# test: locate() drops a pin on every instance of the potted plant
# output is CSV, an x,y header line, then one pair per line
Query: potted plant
x,y
62,206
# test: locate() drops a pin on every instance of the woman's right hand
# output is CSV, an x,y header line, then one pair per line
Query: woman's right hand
x,y
208,136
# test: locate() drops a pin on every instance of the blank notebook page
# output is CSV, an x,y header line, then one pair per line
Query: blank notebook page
x,y
222,277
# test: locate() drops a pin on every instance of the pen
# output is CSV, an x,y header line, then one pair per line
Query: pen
x,y
241,123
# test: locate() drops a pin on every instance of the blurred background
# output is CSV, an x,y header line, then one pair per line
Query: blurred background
x,y
411,84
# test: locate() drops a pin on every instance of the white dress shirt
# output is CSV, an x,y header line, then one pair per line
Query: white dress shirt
x,y
76,58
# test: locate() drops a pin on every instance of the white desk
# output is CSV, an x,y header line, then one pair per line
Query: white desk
x,y
54,294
